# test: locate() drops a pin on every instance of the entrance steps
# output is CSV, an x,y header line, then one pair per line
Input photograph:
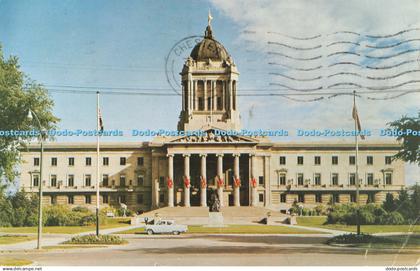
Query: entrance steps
x,y
231,215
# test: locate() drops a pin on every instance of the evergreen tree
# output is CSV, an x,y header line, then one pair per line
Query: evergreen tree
x,y
389,203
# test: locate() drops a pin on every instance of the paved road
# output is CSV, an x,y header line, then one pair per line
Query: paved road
x,y
221,250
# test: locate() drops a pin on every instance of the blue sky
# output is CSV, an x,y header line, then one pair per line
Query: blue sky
x,y
123,44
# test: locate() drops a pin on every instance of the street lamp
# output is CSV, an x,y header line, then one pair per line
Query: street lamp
x,y
30,117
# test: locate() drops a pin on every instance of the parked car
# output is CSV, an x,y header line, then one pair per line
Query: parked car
x,y
165,226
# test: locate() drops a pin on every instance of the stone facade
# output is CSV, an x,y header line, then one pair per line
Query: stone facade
x,y
245,171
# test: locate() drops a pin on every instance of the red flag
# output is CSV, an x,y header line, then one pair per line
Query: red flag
x,y
101,124
357,120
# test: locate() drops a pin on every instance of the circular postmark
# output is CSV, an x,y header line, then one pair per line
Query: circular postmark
x,y
176,58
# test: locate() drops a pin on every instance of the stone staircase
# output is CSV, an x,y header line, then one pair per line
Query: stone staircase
x,y
231,215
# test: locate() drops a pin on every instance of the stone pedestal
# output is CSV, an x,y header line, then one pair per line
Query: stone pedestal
x,y
215,219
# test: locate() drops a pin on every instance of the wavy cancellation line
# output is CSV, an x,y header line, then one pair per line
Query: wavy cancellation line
x,y
392,45
392,35
294,58
293,47
296,89
295,68
296,79
351,84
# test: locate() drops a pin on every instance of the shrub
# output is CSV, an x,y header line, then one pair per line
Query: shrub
x,y
93,239
392,218
351,239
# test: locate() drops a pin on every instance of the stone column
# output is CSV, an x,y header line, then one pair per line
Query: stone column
x,y
230,96
187,181
170,180
205,95
253,183
194,95
203,181
237,181
220,179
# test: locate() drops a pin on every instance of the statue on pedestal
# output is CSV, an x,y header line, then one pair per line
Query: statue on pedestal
x,y
214,205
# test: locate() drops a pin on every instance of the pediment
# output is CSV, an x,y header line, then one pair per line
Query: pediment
x,y
210,136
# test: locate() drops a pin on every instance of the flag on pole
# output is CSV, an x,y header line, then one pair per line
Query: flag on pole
x,y
357,120
101,124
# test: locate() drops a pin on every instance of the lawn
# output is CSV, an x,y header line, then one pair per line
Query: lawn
x,y
319,221
111,223
72,246
12,239
6,261
236,229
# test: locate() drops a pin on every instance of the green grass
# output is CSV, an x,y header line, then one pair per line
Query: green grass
x,y
72,246
320,220
92,239
12,239
380,242
235,229
6,261
111,223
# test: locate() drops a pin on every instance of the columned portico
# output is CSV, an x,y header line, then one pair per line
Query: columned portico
x,y
237,181
170,181
219,179
187,180
203,181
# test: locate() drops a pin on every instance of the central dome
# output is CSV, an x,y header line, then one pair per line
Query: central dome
x,y
209,48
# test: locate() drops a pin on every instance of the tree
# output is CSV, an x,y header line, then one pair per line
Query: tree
x,y
415,203
403,204
389,203
18,94
410,148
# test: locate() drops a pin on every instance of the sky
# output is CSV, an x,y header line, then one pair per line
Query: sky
x,y
282,47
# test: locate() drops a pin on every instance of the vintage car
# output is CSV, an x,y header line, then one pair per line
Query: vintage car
x,y
165,226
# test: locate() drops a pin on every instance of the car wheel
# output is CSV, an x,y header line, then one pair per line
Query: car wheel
x,y
150,232
176,232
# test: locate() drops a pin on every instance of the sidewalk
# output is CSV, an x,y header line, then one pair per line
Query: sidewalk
x,y
55,239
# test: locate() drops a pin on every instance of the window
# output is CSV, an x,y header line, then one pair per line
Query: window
x,y
161,181
105,199
105,179
54,180
334,160
88,161
369,160
334,179
261,180
388,178
35,180
140,180
36,161
70,199
301,198
369,178
371,198
283,197
123,161
282,160
140,161
122,180
317,160
105,161
54,161
88,199
71,161
70,180
88,180
300,160
208,103
282,179
300,178
162,197
317,178
352,179
318,198
336,198
122,199
200,103
140,199
352,160
353,197
261,197
219,103
53,200
388,160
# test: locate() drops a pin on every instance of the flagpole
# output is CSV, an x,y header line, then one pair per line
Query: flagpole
x,y
97,163
357,165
